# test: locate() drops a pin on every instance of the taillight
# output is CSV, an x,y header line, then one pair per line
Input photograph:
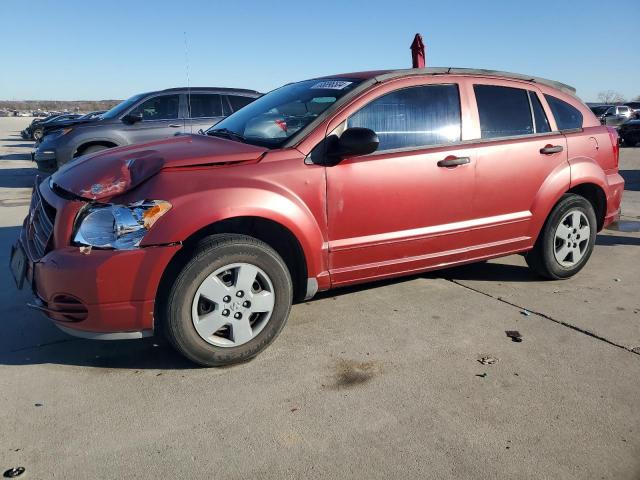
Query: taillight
x,y
615,141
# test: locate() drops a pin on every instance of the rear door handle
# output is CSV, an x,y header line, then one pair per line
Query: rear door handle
x,y
550,149
454,161
175,125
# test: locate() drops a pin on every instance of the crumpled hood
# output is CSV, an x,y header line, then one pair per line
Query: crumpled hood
x,y
115,171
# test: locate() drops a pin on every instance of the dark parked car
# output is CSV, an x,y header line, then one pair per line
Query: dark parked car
x,y
64,122
630,132
142,118
34,132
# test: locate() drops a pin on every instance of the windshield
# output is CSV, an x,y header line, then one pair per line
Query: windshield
x,y
277,116
122,107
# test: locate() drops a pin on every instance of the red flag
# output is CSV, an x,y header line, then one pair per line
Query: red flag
x,y
418,52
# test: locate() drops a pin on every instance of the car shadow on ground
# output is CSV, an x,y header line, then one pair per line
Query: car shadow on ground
x,y
18,177
16,156
631,180
614,240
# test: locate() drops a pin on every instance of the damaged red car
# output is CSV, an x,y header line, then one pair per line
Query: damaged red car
x,y
209,239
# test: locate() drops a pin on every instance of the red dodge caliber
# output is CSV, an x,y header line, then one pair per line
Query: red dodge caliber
x,y
208,239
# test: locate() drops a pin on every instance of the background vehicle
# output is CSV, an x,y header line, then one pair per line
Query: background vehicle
x,y
635,106
616,115
36,129
275,203
600,110
64,122
141,118
629,132
27,133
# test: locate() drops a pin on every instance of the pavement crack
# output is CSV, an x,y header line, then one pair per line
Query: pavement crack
x,y
547,317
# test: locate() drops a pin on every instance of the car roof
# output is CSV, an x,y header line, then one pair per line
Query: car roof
x,y
243,91
383,75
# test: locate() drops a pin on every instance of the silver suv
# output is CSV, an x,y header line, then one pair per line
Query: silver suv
x,y
617,115
141,118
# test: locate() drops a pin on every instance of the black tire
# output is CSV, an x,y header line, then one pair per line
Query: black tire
x,y
541,259
93,149
210,254
630,141
37,134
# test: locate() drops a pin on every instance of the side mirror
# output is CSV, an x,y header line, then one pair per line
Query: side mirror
x,y
132,118
353,142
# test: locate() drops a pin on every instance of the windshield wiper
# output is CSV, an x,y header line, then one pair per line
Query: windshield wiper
x,y
226,133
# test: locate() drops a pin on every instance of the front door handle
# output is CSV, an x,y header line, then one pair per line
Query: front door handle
x,y
175,125
550,149
453,161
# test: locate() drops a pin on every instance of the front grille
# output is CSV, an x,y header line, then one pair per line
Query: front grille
x,y
38,227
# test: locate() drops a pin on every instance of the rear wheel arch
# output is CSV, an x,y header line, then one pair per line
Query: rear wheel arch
x,y
596,196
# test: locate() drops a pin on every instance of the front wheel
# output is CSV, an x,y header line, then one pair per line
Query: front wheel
x,y
37,134
567,239
229,301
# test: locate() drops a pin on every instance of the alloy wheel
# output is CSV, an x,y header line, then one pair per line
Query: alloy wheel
x,y
571,240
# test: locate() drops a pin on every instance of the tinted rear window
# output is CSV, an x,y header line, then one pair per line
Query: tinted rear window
x,y
237,101
567,117
205,105
504,111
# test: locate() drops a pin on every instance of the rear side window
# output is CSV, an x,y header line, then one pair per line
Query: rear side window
x,y
237,101
504,111
413,117
567,117
539,117
163,107
205,105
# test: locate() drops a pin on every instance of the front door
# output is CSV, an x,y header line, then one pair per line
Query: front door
x,y
160,119
405,207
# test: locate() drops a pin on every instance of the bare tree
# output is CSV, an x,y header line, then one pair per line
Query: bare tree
x,y
610,96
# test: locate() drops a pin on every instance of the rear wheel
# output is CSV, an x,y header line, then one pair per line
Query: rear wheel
x,y
229,301
567,239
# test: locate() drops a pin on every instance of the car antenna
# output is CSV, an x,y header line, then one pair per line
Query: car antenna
x,y
186,57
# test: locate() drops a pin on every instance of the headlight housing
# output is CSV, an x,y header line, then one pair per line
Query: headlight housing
x,y
119,227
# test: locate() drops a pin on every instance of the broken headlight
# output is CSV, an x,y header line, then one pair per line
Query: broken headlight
x,y
120,227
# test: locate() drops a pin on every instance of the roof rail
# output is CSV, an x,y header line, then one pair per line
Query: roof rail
x,y
475,71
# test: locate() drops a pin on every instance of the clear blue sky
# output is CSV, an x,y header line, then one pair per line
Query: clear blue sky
x,y
76,50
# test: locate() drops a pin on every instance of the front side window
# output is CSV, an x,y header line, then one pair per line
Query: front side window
x,y
504,111
163,107
276,117
413,117
567,116
203,105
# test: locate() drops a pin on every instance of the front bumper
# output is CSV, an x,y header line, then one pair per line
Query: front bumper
x,y
104,294
615,183
46,160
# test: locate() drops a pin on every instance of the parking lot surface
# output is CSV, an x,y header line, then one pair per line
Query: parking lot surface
x,y
379,381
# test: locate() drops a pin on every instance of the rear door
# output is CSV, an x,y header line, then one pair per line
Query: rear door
x,y
160,119
517,155
205,110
